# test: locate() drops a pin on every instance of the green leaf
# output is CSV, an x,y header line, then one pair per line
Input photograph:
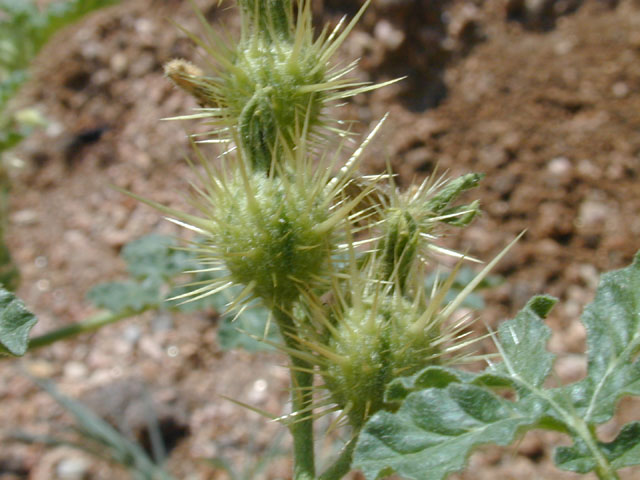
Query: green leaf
x,y
15,324
156,256
15,7
612,321
132,296
522,344
435,430
25,29
60,14
430,377
217,301
622,452
440,377
10,85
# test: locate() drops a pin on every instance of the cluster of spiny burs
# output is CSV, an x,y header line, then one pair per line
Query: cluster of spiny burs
x,y
338,257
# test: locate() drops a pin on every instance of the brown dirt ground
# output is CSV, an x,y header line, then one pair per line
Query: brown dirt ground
x,y
543,97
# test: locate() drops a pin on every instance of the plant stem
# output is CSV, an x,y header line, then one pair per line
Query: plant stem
x,y
301,399
603,470
342,465
93,323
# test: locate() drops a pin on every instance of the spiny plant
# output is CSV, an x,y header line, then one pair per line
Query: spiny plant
x,y
341,269
339,259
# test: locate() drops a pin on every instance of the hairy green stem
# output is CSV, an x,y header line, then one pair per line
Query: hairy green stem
x,y
91,324
603,470
301,399
342,465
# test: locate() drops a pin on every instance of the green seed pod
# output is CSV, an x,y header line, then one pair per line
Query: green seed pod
x,y
267,237
273,84
375,343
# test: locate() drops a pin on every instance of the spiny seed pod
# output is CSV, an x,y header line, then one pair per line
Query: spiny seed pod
x,y
369,332
275,233
270,236
275,80
375,343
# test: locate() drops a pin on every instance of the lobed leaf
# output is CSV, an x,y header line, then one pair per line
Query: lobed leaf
x,y
121,297
612,321
430,377
435,430
15,324
156,256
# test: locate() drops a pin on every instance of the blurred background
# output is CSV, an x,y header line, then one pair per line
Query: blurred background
x,y
543,96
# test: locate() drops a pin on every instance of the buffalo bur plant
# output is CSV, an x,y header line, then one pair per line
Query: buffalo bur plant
x,y
339,260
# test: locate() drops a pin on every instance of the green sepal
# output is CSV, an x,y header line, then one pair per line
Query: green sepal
x,y
462,215
399,247
15,324
258,130
452,190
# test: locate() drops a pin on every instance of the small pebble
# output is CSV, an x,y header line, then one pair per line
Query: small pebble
x,y
620,89
25,217
388,35
72,469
